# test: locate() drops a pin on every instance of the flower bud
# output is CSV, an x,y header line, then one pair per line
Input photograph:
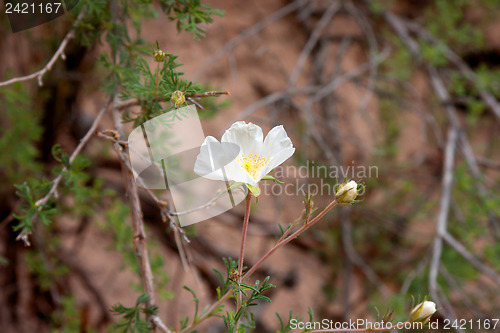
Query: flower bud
x,y
347,192
423,312
178,98
159,55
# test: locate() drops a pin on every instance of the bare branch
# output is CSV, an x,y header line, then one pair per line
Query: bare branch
x,y
312,41
355,258
253,30
444,206
135,102
471,258
55,183
462,66
78,149
137,226
59,54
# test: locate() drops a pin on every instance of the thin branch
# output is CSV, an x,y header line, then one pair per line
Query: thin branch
x,y
444,205
69,259
55,183
454,285
443,95
215,306
471,258
462,66
78,149
319,91
312,41
363,22
253,30
122,105
209,94
487,163
356,259
140,242
59,54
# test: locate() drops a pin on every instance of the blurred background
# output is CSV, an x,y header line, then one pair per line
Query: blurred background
x,y
405,89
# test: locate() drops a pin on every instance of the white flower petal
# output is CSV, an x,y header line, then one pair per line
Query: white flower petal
x,y
277,148
252,152
247,136
276,160
205,164
217,161
276,141
347,192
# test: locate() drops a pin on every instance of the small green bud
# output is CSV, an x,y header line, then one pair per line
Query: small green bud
x,y
159,55
178,98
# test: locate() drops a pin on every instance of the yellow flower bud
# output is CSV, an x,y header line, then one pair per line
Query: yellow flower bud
x,y
159,55
178,98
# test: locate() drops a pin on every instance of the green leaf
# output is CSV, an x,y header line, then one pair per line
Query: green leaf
x,y
254,189
269,177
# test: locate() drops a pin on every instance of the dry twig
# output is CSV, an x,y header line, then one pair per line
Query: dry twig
x,y
59,54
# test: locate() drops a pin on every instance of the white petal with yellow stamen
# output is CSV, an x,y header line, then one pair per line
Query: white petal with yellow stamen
x,y
256,158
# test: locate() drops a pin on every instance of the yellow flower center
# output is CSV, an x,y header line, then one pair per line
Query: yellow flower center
x,y
252,163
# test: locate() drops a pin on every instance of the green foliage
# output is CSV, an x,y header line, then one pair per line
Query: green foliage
x,y
132,320
103,19
46,268
231,266
389,117
153,87
488,79
21,131
285,326
117,224
451,26
434,54
116,218
69,318
196,304
4,261
232,319
87,193
157,263
379,6
76,182
125,64
189,14
30,212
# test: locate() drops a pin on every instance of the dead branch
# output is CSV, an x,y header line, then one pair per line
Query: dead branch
x,y
59,54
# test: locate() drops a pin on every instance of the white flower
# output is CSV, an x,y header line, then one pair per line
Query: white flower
x,y
254,159
423,311
347,192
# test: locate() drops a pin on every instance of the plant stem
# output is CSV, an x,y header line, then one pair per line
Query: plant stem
x,y
244,234
242,249
284,241
280,243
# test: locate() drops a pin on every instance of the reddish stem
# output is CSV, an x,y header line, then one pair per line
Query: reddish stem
x,y
290,238
244,235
